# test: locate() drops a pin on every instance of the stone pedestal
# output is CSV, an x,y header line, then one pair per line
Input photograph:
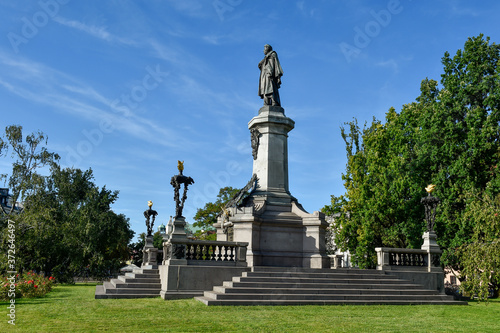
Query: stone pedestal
x,y
279,231
178,231
433,251
169,248
430,243
271,162
149,253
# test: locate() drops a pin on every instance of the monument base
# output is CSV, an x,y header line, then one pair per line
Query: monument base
x,y
185,281
281,234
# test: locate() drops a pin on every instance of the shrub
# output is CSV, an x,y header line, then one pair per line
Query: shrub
x,y
28,285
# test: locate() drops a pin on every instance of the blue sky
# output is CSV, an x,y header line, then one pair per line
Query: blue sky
x,y
127,88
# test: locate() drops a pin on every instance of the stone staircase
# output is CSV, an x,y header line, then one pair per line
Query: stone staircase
x,y
298,286
141,283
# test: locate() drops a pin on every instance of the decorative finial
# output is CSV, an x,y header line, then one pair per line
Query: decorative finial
x,y
430,188
150,203
180,166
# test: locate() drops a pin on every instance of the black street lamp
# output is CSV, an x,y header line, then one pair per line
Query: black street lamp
x,y
150,214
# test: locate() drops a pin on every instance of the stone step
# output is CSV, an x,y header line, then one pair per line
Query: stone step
x,y
298,286
138,280
124,296
209,301
332,279
323,275
143,270
316,270
142,283
141,275
323,297
315,291
398,285
120,284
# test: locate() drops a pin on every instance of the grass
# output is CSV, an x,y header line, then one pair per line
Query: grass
x,y
74,309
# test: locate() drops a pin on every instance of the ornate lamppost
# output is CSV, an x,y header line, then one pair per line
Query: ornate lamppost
x,y
176,182
150,216
175,247
149,252
430,204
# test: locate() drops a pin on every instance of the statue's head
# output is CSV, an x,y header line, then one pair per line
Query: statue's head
x,y
267,48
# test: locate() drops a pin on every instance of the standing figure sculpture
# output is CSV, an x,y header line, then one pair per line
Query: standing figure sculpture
x,y
270,77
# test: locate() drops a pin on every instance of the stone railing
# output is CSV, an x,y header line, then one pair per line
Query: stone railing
x,y
208,253
408,259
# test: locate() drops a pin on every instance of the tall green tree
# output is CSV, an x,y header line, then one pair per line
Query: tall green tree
x,y
29,155
481,256
70,228
205,217
449,137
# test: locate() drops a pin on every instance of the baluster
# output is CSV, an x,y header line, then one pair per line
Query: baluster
x,y
231,253
197,252
204,253
212,252
192,252
219,248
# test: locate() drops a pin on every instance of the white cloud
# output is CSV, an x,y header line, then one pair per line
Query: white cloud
x,y
391,64
94,31
193,8
41,84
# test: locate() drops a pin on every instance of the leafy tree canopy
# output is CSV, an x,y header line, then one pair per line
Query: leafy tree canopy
x,y
450,136
205,217
67,226
29,155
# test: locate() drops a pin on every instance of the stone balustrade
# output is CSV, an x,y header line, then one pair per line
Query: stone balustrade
x,y
208,253
408,259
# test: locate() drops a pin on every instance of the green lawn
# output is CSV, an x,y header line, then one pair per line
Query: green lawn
x,y
74,309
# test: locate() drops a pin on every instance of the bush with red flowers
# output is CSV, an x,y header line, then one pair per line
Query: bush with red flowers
x,y
27,285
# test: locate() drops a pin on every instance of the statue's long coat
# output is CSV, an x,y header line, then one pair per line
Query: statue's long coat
x,y
270,75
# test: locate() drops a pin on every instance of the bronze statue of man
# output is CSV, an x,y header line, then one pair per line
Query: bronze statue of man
x,y
270,77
